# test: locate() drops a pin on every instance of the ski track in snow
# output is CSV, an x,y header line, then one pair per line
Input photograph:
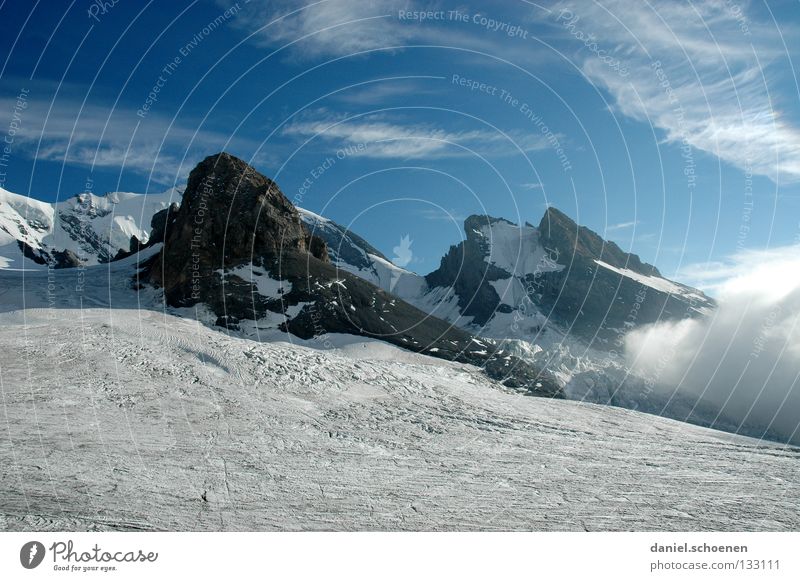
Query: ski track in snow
x,y
130,419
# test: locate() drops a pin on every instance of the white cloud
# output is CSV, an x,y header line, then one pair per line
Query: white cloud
x,y
621,226
386,139
745,358
95,136
329,27
710,88
761,271
442,215
334,28
386,91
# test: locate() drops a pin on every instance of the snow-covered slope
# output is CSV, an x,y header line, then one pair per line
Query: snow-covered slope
x,y
530,287
93,228
351,253
492,284
122,416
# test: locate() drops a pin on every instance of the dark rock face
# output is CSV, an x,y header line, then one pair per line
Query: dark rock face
x,y
34,254
573,291
232,216
597,302
55,258
465,270
559,232
65,259
160,222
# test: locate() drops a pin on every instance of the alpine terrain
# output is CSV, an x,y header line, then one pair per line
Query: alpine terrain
x,y
213,358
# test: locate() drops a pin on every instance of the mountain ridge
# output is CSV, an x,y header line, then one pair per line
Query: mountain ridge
x,y
238,246
501,280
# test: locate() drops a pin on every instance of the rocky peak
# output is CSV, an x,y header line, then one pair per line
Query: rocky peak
x,y
559,232
238,246
465,270
230,215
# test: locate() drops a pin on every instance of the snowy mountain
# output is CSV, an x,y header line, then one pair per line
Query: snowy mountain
x,y
502,281
238,247
557,295
84,229
542,308
523,282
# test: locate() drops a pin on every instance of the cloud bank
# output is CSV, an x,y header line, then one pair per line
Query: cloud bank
x,y
745,358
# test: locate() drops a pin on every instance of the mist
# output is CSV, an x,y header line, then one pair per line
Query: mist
x,y
744,358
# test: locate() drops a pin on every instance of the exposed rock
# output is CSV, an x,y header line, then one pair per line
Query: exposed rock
x,y
36,255
66,259
466,271
567,286
560,232
230,215
55,258
599,303
160,222
234,224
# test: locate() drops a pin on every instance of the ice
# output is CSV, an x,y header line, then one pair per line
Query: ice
x,y
120,414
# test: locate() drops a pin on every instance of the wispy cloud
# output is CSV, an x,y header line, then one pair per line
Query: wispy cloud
x,y
327,27
334,28
700,71
532,186
621,226
378,137
386,91
442,215
96,136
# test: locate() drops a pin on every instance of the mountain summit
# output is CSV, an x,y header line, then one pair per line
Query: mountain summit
x,y
230,216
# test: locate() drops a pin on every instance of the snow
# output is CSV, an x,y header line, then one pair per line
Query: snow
x,y
510,290
396,280
105,223
120,414
310,217
516,249
265,285
654,282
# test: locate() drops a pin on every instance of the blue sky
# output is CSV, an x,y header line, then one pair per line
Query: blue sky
x,y
671,128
